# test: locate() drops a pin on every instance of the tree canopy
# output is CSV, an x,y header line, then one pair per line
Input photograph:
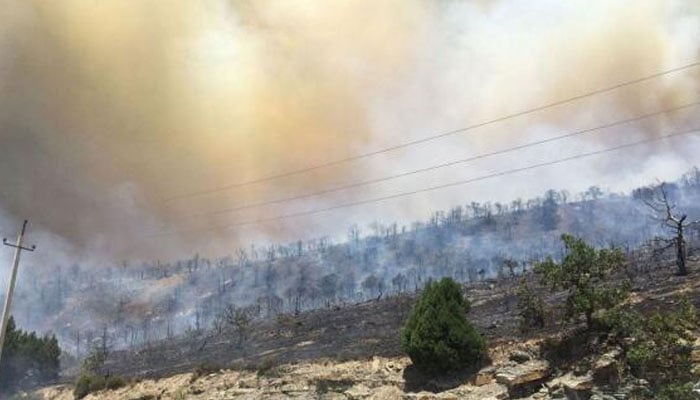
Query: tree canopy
x,y
27,359
437,335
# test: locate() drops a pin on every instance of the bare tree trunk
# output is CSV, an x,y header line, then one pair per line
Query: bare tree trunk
x,y
681,250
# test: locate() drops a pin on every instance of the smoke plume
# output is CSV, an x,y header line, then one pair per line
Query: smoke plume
x,y
111,109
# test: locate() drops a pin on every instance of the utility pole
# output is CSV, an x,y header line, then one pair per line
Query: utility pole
x,y
13,276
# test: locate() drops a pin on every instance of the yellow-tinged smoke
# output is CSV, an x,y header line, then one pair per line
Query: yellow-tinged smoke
x,y
108,108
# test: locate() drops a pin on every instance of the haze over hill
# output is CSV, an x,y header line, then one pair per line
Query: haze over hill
x,y
134,304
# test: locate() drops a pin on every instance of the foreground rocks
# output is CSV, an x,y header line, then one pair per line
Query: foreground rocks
x,y
378,378
524,378
519,375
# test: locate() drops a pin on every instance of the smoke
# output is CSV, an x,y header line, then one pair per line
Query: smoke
x,y
110,108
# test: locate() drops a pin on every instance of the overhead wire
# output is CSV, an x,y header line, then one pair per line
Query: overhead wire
x,y
433,137
442,165
435,187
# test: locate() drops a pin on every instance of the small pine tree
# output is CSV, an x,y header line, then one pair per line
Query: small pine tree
x,y
437,335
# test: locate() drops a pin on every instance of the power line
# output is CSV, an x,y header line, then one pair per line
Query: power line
x,y
437,187
433,137
442,165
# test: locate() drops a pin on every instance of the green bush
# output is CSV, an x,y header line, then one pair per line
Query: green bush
x,y
115,382
91,377
656,347
531,307
584,273
86,384
437,335
677,391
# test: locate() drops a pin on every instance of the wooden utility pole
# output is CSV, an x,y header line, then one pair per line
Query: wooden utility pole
x,y
13,276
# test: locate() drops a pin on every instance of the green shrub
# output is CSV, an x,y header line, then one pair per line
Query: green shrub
x,y
677,391
437,335
656,347
531,308
584,273
86,384
115,382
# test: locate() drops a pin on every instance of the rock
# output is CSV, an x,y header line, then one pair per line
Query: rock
x,y
695,353
519,356
523,379
485,376
574,387
387,393
557,393
606,368
294,387
422,396
696,388
600,396
491,391
695,370
514,375
357,392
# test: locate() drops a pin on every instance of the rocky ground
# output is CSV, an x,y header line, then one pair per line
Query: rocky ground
x,y
516,372
353,353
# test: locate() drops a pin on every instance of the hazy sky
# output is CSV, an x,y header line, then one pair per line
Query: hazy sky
x,y
109,108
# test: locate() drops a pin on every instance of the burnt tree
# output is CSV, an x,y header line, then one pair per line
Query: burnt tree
x,y
676,223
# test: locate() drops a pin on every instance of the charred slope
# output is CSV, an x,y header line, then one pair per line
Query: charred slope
x,y
359,331
367,329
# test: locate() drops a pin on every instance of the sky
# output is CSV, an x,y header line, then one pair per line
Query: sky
x,y
113,112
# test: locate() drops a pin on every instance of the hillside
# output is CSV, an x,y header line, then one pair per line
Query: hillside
x,y
134,304
353,353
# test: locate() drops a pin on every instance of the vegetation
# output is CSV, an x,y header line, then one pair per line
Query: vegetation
x,y
437,335
88,383
658,200
531,306
92,379
28,360
584,273
656,347
236,320
677,391
378,259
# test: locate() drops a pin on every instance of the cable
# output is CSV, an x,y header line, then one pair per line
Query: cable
x,y
442,165
433,137
433,188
